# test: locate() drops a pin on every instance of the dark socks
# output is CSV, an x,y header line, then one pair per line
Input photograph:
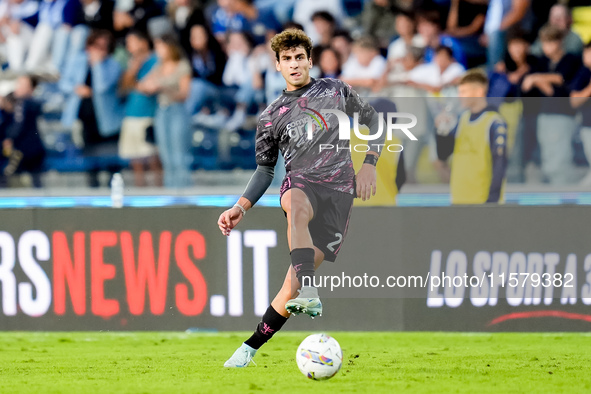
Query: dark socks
x,y
269,325
302,260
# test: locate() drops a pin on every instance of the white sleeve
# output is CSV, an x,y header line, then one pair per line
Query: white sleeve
x,y
423,73
397,49
4,9
377,67
350,68
454,71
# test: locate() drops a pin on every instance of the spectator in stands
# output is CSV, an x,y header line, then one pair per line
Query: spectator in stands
x,y
17,23
580,99
97,14
397,75
440,7
399,59
237,78
517,64
137,133
444,72
80,17
366,67
171,81
551,77
226,18
185,14
260,23
428,26
407,37
404,5
438,80
136,18
324,26
330,63
343,44
6,112
69,36
50,19
208,61
501,16
22,144
378,20
266,77
506,82
304,9
90,83
560,17
465,22
395,84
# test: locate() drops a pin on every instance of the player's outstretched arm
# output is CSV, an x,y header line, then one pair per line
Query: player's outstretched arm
x,y
257,186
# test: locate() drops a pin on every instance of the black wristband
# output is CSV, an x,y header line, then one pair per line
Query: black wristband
x,y
371,159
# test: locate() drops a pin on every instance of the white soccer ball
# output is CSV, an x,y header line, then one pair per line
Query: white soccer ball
x,y
319,357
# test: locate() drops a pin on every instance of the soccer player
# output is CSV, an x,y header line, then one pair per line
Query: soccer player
x,y
320,184
478,145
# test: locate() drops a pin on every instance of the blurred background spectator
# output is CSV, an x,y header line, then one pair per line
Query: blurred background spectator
x,y
443,73
18,19
343,44
581,91
238,93
137,130
303,11
379,20
366,67
560,17
208,62
21,144
170,80
90,83
406,29
429,27
324,27
500,17
330,63
185,14
552,77
465,23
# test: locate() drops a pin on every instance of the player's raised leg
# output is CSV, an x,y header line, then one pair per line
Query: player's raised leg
x,y
300,212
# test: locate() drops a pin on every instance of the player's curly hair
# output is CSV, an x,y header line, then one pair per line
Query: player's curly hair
x,y
290,39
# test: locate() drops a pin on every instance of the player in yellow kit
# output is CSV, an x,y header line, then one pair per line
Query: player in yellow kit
x,y
478,144
390,171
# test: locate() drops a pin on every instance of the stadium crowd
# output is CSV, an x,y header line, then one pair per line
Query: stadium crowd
x,y
173,86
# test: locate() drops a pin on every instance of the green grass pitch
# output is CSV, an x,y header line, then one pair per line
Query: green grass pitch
x,y
165,362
